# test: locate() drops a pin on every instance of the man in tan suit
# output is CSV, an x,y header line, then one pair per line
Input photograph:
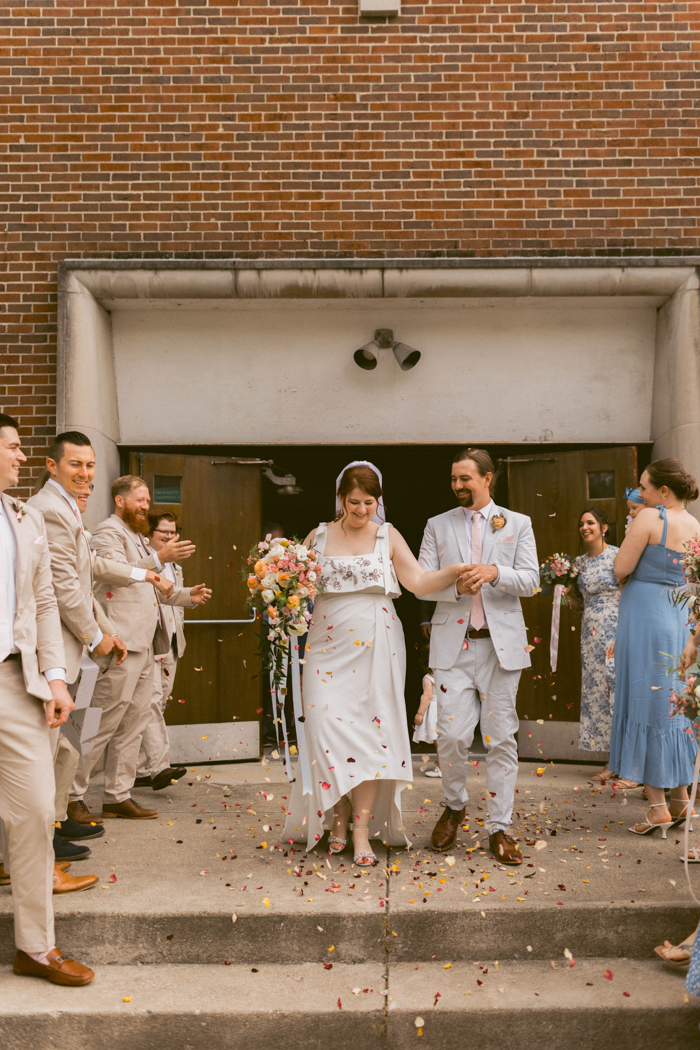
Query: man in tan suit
x,y
124,692
85,628
154,768
33,699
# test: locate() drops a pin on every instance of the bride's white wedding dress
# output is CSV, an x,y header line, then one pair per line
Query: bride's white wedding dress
x,y
353,690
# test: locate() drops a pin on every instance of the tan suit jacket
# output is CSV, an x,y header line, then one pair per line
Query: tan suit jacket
x,y
37,625
72,580
175,616
132,610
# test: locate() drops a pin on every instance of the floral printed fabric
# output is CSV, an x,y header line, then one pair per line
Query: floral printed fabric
x,y
600,592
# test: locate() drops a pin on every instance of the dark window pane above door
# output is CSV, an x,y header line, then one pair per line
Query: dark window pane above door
x,y
167,489
601,484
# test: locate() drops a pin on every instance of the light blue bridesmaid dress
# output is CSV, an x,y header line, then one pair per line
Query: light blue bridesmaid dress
x,y
647,746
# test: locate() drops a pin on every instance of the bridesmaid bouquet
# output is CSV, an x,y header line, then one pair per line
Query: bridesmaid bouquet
x,y
558,570
282,585
690,594
686,701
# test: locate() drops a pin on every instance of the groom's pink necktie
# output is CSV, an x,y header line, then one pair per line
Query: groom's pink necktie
x,y
477,618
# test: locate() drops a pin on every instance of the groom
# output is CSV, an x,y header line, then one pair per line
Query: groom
x,y
478,644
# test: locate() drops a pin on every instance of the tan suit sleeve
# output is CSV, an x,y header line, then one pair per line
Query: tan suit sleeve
x,y
180,596
107,542
74,606
110,572
49,643
102,621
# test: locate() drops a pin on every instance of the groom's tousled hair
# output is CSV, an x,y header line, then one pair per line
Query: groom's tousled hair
x,y
484,463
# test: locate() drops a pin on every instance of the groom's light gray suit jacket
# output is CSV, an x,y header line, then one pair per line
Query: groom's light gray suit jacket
x,y
512,549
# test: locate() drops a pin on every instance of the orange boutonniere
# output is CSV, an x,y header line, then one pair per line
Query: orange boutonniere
x,y
498,521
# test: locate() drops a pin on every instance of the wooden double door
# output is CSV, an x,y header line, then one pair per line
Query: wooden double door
x,y
553,489
217,504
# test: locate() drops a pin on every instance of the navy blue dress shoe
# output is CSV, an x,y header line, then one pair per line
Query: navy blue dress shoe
x,y
70,829
68,850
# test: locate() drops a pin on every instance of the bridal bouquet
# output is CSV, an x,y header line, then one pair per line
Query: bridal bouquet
x,y
282,584
558,569
690,594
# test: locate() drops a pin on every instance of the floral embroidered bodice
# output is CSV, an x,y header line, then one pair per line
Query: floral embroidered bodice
x,y
368,573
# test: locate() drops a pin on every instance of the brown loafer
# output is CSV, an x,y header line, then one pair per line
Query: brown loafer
x,y
58,968
445,831
65,883
128,810
505,848
79,812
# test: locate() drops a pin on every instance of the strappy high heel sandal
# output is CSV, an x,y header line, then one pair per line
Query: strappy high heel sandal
x,y
336,844
365,858
681,820
648,827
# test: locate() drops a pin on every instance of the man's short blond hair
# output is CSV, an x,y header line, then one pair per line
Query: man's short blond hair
x,y
125,485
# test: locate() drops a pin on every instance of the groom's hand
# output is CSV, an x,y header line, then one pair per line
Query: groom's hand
x,y
474,578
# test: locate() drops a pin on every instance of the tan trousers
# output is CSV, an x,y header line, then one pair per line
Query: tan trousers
x,y
65,764
154,755
124,693
27,793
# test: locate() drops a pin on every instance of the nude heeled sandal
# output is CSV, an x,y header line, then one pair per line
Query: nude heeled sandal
x,y
365,858
649,827
336,844
681,819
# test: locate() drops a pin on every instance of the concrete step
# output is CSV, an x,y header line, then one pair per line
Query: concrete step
x,y
169,1007
459,933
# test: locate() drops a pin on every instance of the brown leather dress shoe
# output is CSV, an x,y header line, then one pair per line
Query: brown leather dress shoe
x,y
60,866
505,848
445,831
58,968
128,810
65,883
79,812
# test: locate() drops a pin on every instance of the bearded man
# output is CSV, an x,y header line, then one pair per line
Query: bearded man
x,y
124,691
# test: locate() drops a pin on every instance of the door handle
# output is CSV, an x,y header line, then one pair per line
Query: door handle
x,y
251,619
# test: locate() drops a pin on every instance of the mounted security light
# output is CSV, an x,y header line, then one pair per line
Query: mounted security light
x,y
406,356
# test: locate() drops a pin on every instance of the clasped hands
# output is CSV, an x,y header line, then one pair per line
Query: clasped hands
x,y
471,578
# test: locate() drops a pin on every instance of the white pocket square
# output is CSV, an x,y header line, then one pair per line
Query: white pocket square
x,y
40,539
507,539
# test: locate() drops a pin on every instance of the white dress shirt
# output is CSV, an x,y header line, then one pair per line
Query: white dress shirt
x,y
486,513
137,575
8,550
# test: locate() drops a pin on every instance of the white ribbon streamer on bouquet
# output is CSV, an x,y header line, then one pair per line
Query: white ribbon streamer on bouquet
x,y
556,622
688,818
292,681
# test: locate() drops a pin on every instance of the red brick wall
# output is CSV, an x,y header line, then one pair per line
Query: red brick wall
x,y
272,130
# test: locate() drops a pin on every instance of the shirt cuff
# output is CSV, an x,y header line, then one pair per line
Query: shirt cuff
x,y
55,673
96,640
494,583
138,575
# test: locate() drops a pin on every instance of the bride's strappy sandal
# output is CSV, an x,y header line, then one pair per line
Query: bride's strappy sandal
x,y
647,825
365,858
336,844
681,818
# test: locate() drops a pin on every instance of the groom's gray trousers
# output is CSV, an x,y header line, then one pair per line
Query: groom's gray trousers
x,y
476,689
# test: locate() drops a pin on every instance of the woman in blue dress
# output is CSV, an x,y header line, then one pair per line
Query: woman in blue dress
x,y
597,594
646,745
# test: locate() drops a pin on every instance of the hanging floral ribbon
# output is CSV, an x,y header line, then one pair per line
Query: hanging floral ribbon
x,y
556,623
280,693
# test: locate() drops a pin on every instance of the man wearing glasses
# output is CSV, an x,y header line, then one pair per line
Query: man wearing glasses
x,y
154,769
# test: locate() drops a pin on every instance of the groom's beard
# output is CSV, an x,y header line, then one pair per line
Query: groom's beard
x,y
466,498
135,523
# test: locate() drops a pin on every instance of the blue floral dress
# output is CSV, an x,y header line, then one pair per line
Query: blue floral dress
x,y
600,592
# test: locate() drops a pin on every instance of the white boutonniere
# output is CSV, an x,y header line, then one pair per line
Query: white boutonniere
x,y
498,521
19,508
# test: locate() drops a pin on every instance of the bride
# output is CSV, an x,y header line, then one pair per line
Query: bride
x,y
353,688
